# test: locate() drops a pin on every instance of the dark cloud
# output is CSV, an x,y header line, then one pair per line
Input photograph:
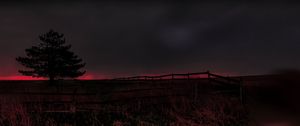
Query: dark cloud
x,y
129,38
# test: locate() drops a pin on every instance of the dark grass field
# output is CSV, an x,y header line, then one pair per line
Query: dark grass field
x,y
266,100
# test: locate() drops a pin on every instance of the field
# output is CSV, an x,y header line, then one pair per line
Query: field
x,y
260,100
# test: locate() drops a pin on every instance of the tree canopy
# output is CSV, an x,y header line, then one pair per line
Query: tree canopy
x,y
51,58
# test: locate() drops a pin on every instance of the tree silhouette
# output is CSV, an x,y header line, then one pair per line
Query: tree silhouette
x,y
51,59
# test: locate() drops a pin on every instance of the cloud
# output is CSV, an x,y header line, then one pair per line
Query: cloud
x,y
121,38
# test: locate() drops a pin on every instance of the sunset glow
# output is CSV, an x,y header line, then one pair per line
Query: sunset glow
x,y
20,77
87,77
95,76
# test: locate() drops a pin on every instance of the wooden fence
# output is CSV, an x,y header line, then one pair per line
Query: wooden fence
x,y
200,75
92,97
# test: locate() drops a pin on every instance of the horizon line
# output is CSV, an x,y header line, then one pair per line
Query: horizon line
x,y
30,78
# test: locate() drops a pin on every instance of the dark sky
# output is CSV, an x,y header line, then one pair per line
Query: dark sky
x,y
132,38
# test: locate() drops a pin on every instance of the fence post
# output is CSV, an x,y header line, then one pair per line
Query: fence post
x,y
196,92
241,91
208,76
172,80
74,101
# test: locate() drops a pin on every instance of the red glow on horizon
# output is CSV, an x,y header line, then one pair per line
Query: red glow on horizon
x,y
92,76
20,77
87,77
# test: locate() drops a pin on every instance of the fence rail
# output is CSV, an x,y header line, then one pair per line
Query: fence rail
x,y
212,78
207,75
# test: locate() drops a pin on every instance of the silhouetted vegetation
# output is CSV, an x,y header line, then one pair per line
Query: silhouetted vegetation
x,y
51,58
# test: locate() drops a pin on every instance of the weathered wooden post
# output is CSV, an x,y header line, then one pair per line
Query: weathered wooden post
x,y
172,80
152,78
241,91
74,102
196,91
208,76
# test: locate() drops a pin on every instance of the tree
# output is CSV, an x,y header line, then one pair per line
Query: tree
x,y
51,59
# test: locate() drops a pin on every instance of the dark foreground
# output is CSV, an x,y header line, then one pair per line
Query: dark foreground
x,y
181,102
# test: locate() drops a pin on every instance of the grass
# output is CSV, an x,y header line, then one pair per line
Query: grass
x,y
214,110
269,99
126,109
